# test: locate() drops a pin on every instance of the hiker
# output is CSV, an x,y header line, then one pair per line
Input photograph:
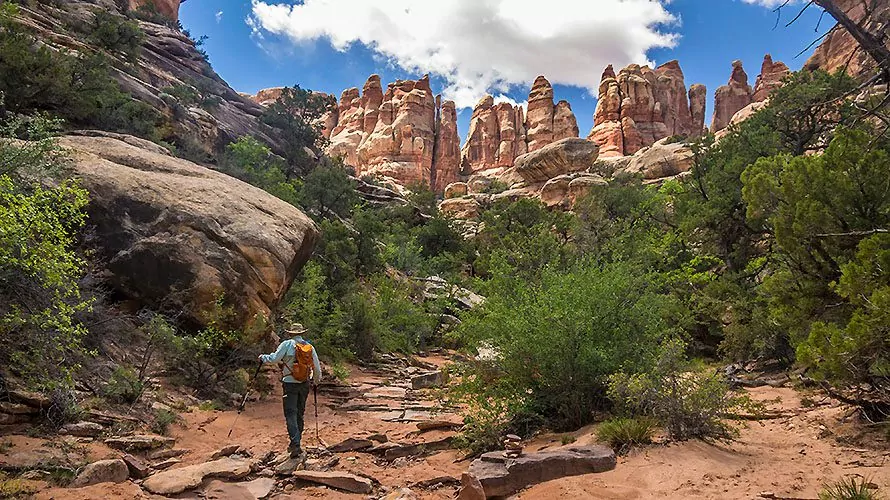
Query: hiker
x,y
300,370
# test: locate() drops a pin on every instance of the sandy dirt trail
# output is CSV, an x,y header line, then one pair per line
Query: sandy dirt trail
x,y
788,457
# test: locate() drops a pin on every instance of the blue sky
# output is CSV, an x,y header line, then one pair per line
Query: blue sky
x,y
330,45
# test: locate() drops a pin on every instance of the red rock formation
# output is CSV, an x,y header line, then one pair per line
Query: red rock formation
x,y
446,162
731,98
639,106
401,145
348,134
840,50
539,119
698,96
500,133
167,8
770,78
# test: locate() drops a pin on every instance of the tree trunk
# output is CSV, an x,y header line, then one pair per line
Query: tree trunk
x,y
870,43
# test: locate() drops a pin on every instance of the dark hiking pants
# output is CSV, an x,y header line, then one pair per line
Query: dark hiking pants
x,y
295,396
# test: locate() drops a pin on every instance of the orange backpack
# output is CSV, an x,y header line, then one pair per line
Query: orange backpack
x,y
302,366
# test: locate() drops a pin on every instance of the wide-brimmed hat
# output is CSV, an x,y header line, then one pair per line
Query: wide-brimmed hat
x,y
296,329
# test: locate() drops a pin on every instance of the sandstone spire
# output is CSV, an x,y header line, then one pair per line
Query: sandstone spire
x,y
732,97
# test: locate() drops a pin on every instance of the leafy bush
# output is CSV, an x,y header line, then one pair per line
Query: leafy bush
x,y
559,340
296,117
116,33
124,386
63,407
849,488
78,88
688,405
162,420
39,268
622,434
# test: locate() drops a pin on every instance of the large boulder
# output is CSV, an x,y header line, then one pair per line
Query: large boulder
x,y
103,471
500,476
661,160
175,481
178,236
562,157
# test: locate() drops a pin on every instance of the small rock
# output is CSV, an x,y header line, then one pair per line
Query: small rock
x,y
351,444
33,399
166,464
427,380
471,488
83,429
378,437
10,419
260,488
165,454
36,475
138,468
225,452
401,494
431,425
140,442
288,487
18,409
103,471
339,480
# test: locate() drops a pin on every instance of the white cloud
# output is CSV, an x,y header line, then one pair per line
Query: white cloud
x,y
503,98
484,46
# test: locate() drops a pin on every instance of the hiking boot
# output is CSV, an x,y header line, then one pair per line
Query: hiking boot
x,y
297,453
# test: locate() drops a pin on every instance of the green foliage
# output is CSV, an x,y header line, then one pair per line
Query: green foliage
x,y
296,116
689,405
194,94
162,420
328,191
622,434
39,269
253,162
124,386
116,34
559,340
16,488
78,88
849,488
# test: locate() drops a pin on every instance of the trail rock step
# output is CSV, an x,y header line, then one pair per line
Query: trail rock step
x,y
175,481
338,480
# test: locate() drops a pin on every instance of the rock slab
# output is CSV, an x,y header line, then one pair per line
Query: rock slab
x,y
103,471
175,481
500,476
176,235
338,480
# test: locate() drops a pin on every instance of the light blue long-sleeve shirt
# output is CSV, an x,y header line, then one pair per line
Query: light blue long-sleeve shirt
x,y
287,352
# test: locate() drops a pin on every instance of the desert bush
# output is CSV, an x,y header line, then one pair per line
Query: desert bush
x,y
560,339
162,420
40,270
849,488
116,33
124,386
622,434
63,408
689,405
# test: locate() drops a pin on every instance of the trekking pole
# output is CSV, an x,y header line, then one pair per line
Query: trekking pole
x,y
315,397
244,399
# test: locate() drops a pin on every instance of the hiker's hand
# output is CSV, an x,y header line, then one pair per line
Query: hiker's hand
x,y
260,357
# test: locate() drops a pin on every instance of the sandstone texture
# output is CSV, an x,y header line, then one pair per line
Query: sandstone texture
x,y
500,133
176,236
562,157
167,8
770,78
103,471
839,49
168,58
732,97
500,477
339,480
639,106
175,481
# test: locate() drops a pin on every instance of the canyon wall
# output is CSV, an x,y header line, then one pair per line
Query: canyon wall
x,y
840,50
167,8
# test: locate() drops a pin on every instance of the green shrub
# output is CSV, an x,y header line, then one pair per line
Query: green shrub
x,y
689,405
78,88
162,420
16,488
623,434
116,33
63,408
123,386
559,340
40,271
849,488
